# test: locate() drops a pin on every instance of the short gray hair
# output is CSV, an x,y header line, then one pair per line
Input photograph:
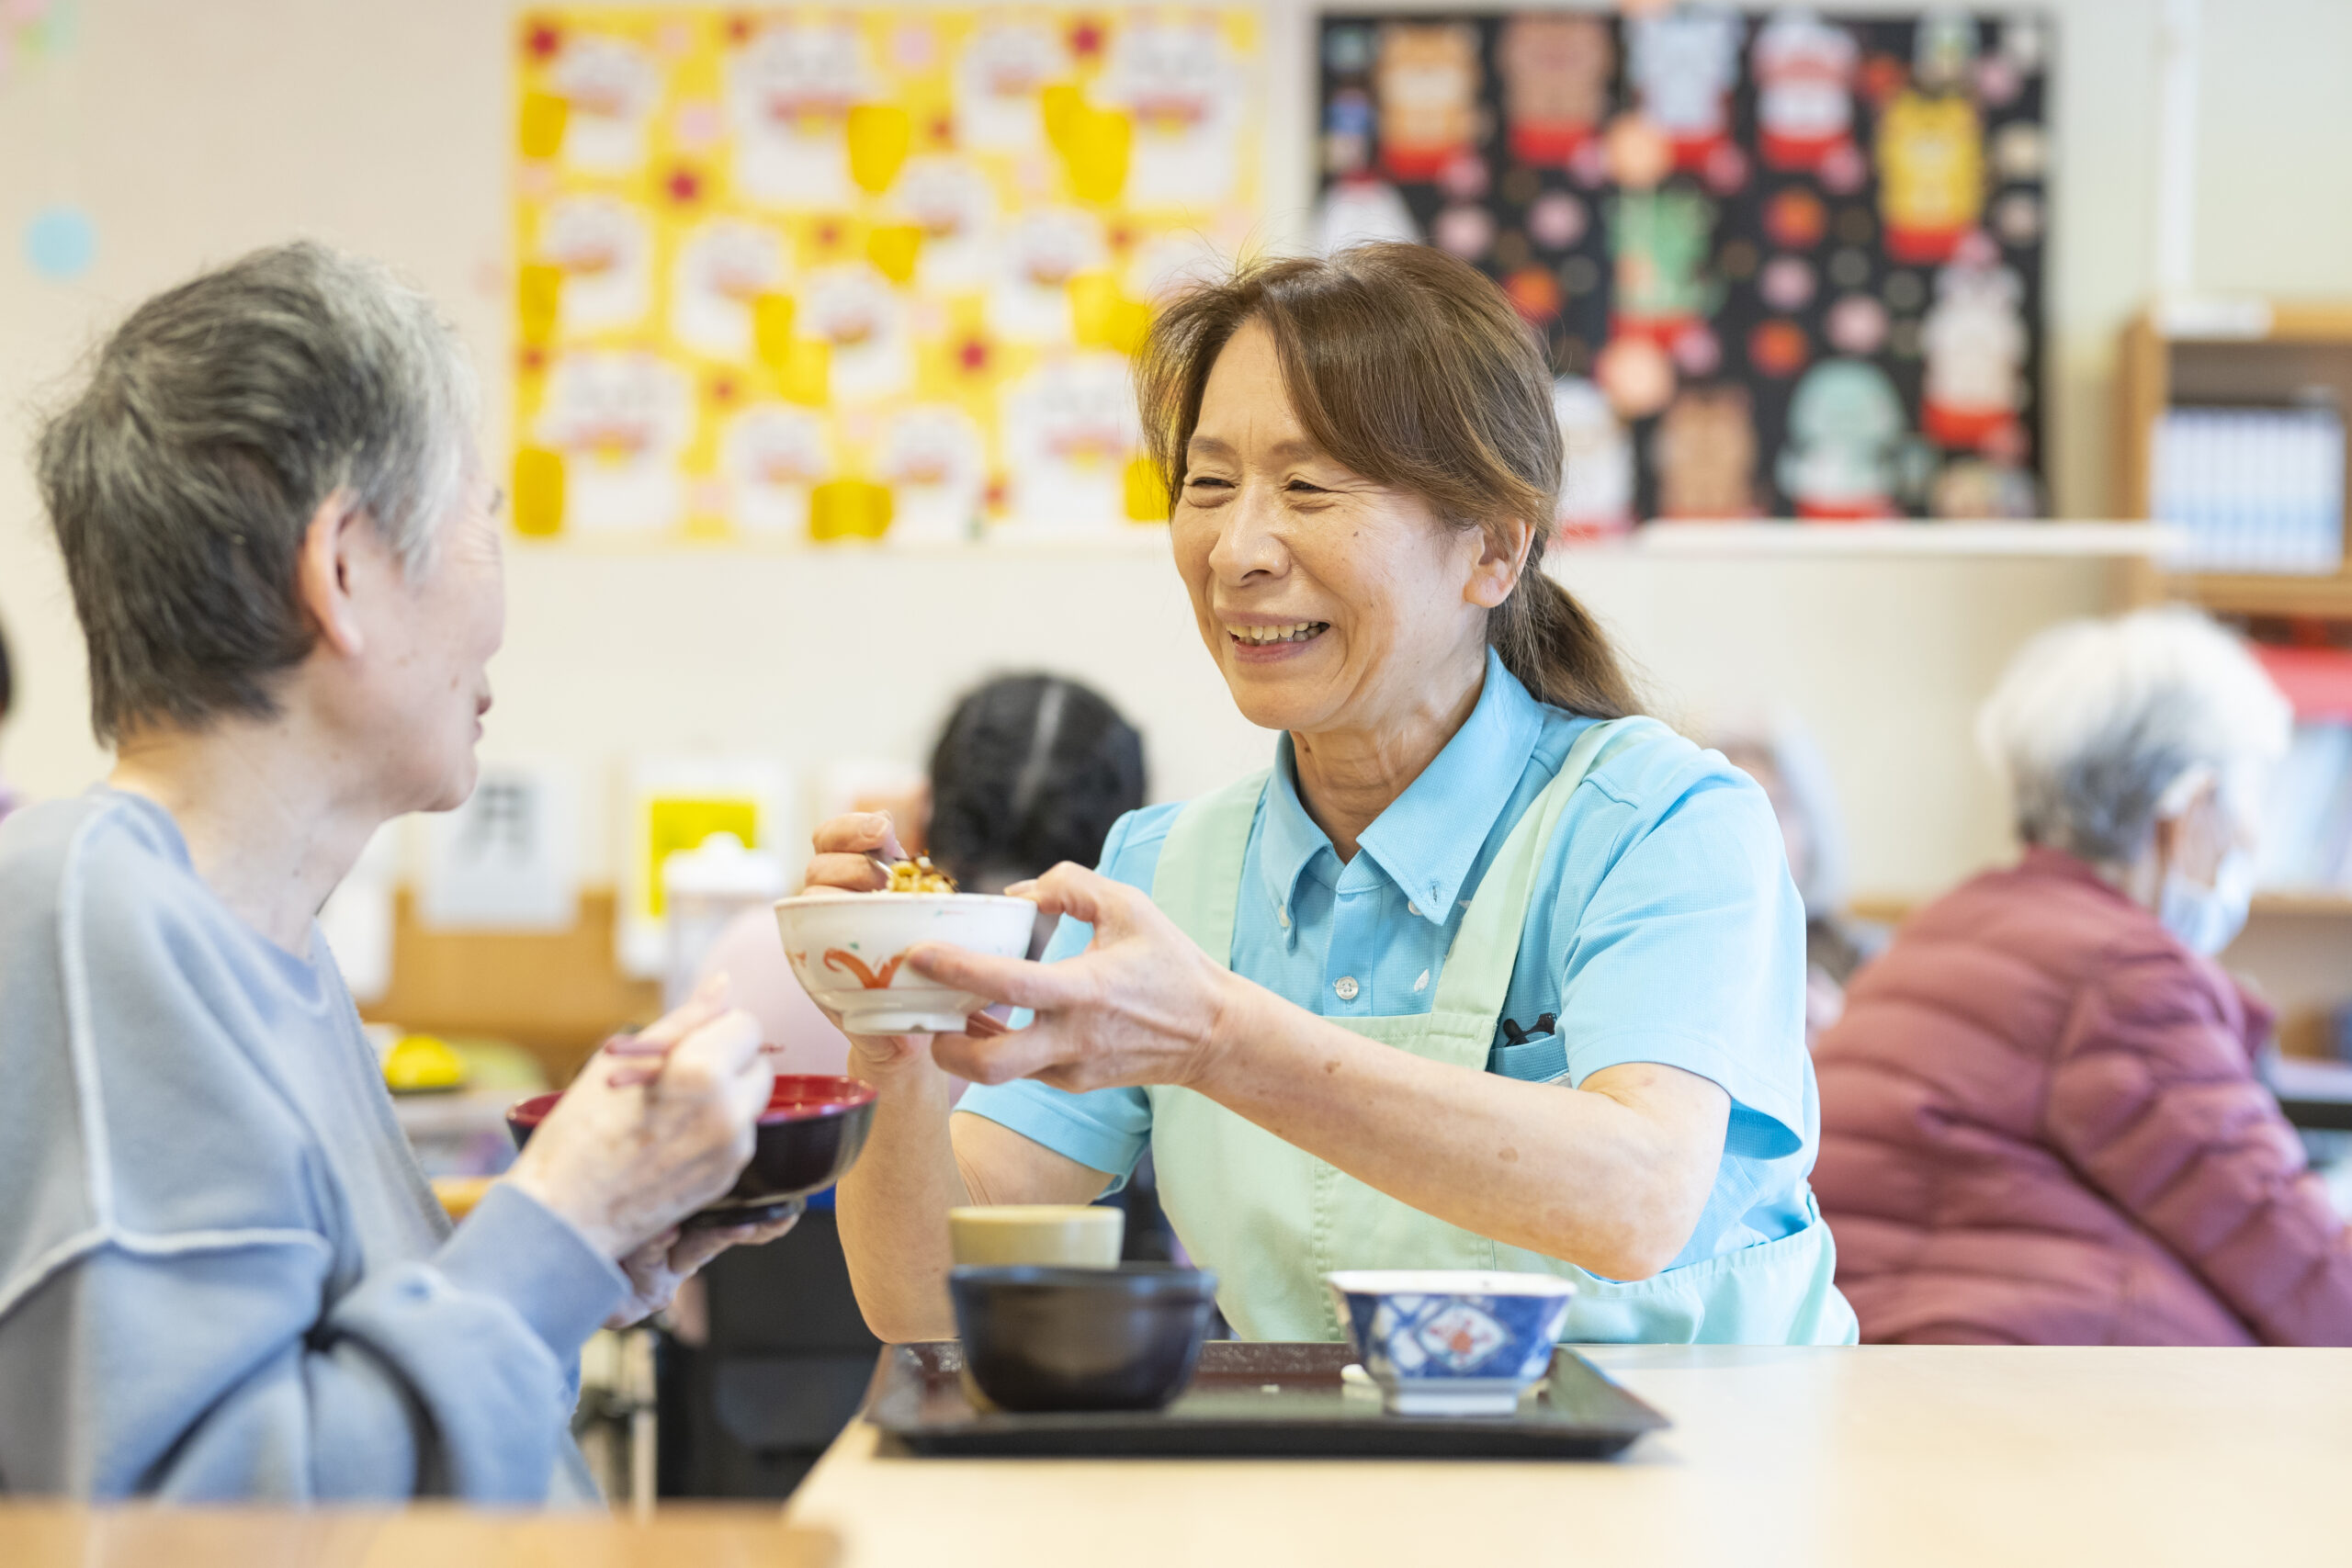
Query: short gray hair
x,y
2095,722
216,420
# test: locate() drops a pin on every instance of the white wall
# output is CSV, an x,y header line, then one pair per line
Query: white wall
x,y
2274,175
193,132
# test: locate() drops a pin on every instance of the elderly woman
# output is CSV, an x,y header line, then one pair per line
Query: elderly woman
x,y
1484,971
2040,1122
221,1275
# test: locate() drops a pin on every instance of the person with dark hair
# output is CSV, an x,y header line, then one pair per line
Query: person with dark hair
x,y
8,801
1031,771
1486,972
222,1276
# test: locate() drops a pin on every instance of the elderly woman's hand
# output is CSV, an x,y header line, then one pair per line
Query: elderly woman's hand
x,y
1142,1005
623,1158
656,1269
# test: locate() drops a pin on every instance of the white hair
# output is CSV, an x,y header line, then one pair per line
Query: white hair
x,y
2100,728
218,417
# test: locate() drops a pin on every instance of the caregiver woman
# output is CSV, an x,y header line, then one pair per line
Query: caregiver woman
x,y
1483,972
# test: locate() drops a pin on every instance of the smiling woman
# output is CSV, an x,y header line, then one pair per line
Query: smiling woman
x,y
1435,410
1486,972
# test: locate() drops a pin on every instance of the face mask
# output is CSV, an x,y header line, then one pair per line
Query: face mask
x,y
2207,919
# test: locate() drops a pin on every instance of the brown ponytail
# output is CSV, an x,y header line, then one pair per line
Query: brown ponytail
x,y
1557,649
1412,369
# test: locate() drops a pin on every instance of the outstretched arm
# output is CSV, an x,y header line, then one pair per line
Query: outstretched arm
x,y
1610,1176
919,1160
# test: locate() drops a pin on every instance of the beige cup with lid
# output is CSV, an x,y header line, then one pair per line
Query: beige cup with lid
x,y
1063,1235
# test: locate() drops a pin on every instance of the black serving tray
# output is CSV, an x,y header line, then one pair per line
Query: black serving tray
x,y
1251,1400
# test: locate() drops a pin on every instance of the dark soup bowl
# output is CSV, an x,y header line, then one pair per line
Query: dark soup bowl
x,y
1044,1338
807,1137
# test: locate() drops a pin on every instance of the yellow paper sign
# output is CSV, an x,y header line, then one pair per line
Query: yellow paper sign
x,y
878,135
772,316
1061,103
538,493
808,374
849,509
1103,317
1094,143
544,116
891,247
1147,497
1098,162
539,296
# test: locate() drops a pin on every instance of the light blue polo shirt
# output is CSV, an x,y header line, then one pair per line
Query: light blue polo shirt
x,y
1664,928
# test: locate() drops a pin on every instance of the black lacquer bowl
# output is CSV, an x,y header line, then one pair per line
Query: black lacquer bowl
x,y
1123,1338
806,1139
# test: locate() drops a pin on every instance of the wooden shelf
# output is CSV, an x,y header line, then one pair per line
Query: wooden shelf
x,y
2233,593
556,994
2228,350
2314,902
2252,318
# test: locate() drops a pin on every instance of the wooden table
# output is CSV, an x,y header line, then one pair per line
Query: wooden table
x,y
1882,1457
36,1535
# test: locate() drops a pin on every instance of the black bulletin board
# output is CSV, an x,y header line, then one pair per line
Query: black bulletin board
x,y
1784,265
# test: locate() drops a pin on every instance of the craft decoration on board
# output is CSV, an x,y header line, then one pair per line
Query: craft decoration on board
x,y
1785,263
32,29
859,274
60,242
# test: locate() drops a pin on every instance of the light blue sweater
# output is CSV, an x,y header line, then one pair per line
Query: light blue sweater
x,y
221,1274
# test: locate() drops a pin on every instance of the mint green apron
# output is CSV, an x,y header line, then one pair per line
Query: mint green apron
x,y
1271,1219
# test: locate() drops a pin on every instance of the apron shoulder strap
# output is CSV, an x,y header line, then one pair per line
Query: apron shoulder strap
x,y
1476,976
1198,883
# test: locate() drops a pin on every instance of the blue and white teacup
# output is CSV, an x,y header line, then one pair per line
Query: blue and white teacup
x,y
1452,1341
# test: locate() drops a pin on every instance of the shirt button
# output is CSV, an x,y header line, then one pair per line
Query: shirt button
x,y
1411,907
1346,985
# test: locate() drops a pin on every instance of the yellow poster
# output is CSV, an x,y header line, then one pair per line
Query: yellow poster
x,y
869,273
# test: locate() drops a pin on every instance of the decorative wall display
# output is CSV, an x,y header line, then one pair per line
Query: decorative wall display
x,y
60,240
1784,265
32,29
859,273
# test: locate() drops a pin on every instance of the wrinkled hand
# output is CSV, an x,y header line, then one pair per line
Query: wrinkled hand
x,y
623,1159
1142,1005
656,1269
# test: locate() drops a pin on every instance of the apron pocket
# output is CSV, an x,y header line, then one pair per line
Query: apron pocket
x,y
1535,1061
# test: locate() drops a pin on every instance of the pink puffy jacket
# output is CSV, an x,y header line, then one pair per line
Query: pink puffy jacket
x,y
2040,1124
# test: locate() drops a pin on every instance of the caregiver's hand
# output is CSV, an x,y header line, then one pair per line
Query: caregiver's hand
x,y
847,848
1142,1005
626,1161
